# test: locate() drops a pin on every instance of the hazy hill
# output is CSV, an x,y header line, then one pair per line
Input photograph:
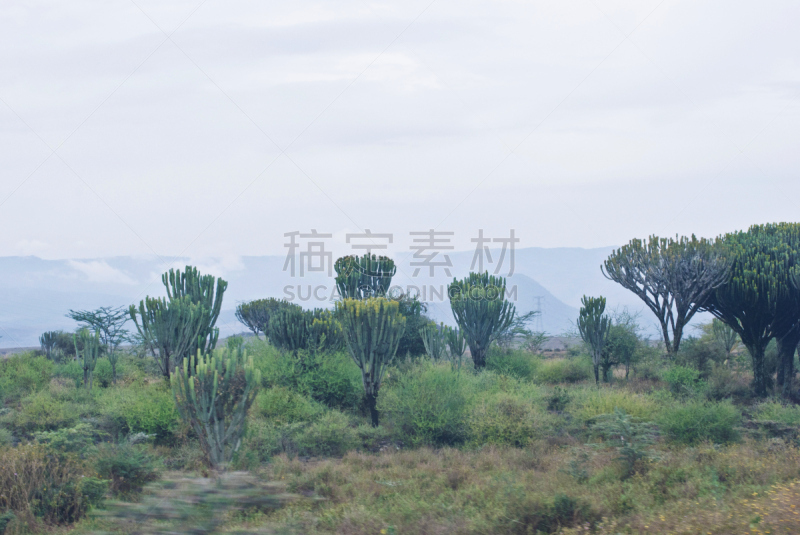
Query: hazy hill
x,y
35,294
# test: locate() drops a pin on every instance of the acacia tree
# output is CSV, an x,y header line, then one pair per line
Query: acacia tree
x,y
256,314
758,301
593,326
673,277
108,323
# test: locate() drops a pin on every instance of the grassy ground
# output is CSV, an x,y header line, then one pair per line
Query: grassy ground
x,y
528,446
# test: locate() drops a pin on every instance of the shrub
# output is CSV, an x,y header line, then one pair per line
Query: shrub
x,y
777,412
71,370
682,380
128,467
725,383
6,438
698,421
570,370
516,363
505,419
103,373
591,403
428,405
148,409
630,437
281,405
53,488
23,374
78,439
333,379
42,412
330,436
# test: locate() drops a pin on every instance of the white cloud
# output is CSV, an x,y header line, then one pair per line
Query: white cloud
x,y
99,271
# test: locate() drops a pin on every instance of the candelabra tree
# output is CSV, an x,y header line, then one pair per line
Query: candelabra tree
x,y
213,393
372,331
758,300
108,323
673,277
87,348
48,341
169,329
433,336
289,328
361,277
593,326
255,314
481,310
456,345
204,290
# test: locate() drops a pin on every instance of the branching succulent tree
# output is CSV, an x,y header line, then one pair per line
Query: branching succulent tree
x,y
289,328
362,277
204,290
325,331
456,345
481,310
758,301
109,323
213,393
593,326
87,347
255,314
48,342
672,276
433,336
372,331
169,329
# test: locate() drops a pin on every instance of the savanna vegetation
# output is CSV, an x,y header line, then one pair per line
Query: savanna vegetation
x,y
371,419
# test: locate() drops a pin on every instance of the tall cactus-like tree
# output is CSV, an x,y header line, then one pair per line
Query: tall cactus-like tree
x,y
481,310
205,290
758,301
255,314
213,393
362,277
87,347
325,331
372,331
593,326
433,336
289,328
48,341
109,323
456,345
673,277
169,329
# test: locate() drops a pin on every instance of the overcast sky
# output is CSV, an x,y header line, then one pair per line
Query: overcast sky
x,y
211,128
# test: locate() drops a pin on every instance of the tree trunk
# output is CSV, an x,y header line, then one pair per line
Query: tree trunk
x,y
760,378
787,345
479,358
85,378
597,374
372,404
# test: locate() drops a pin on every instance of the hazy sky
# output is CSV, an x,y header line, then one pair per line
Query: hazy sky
x,y
210,128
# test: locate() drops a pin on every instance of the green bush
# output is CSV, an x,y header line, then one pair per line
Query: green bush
x,y
78,439
42,412
777,412
699,421
23,374
506,419
589,403
128,467
6,438
333,379
429,405
570,370
330,436
725,383
147,409
281,405
682,380
103,375
516,363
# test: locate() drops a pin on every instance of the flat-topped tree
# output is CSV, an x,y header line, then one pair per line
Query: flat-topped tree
x,y
672,276
758,301
593,326
372,331
108,323
362,277
169,329
204,290
255,314
481,310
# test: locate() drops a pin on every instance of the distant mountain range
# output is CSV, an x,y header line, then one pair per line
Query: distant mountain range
x,y
35,294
